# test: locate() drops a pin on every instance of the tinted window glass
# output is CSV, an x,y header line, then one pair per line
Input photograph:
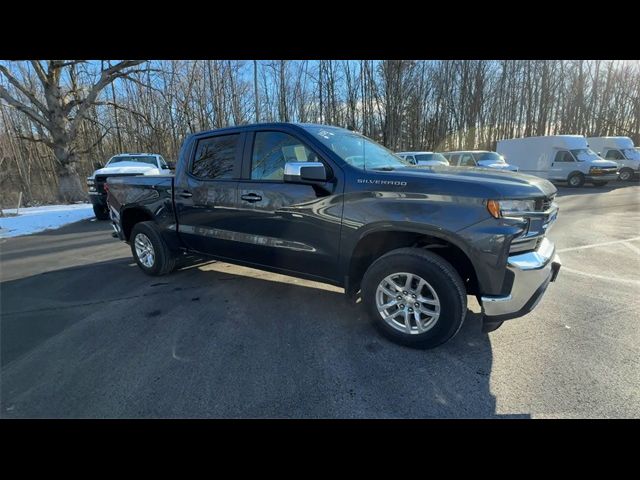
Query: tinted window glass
x,y
466,160
215,157
564,156
614,155
271,150
134,158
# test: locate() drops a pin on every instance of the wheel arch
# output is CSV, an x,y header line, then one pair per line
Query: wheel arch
x,y
375,242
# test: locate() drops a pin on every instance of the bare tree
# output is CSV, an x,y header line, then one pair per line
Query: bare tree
x,y
57,113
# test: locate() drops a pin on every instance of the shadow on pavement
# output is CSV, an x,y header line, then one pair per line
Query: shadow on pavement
x,y
104,340
565,191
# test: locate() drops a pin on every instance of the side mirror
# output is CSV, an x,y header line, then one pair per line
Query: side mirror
x,y
304,172
171,165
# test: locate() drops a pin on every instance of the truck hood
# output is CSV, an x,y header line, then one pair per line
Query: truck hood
x,y
603,163
128,167
484,182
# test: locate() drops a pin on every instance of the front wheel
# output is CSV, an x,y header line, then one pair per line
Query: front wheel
x,y
576,180
625,174
101,212
414,297
150,251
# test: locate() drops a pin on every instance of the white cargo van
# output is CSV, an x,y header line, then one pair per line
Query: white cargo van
x,y
561,158
621,151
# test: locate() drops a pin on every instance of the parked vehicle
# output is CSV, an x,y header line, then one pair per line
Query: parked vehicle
x,y
561,158
478,158
328,204
619,150
424,158
125,164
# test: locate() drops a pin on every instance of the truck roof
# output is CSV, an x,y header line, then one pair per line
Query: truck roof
x,y
557,141
267,125
468,151
414,153
611,142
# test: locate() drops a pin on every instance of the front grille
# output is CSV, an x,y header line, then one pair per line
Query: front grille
x,y
544,204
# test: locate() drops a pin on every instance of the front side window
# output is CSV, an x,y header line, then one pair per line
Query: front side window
x,y
271,150
357,150
410,159
163,164
564,156
614,155
466,160
215,157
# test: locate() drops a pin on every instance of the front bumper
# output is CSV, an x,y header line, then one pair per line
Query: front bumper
x,y
610,177
532,271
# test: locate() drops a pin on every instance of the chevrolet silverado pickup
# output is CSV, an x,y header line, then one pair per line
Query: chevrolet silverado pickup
x,y
330,205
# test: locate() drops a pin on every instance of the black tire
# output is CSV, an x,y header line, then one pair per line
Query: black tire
x,y
164,260
101,212
625,175
599,184
442,277
575,180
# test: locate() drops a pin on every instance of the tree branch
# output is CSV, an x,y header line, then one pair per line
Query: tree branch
x,y
30,95
30,112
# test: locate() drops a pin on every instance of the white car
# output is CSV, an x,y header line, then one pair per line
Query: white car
x,y
122,165
478,158
423,158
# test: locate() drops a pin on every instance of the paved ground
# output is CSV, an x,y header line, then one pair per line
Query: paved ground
x,y
85,334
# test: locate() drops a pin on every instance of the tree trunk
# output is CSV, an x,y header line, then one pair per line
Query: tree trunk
x,y
69,182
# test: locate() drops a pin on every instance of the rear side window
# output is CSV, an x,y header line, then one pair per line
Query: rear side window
x,y
271,150
614,155
216,157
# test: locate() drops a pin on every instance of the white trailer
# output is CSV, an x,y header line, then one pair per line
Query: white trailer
x,y
560,158
620,150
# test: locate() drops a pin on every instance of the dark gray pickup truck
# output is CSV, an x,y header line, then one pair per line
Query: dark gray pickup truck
x,y
328,204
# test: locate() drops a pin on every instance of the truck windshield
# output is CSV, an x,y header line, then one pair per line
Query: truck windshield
x,y
357,150
584,154
134,158
491,156
631,153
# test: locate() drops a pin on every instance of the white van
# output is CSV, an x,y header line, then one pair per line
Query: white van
x,y
562,158
620,150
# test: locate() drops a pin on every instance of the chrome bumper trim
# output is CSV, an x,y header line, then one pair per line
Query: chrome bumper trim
x,y
532,271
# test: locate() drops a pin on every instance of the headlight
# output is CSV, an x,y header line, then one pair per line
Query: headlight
x,y
505,208
91,184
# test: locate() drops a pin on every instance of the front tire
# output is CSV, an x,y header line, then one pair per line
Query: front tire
x,y
414,297
101,212
625,175
150,251
576,180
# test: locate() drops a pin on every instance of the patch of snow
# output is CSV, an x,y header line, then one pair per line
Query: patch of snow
x,y
36,219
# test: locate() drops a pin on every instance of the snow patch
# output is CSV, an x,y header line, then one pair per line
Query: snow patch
x,y
36,219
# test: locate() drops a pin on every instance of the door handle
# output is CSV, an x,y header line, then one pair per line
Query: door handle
x,y
251,197
186,194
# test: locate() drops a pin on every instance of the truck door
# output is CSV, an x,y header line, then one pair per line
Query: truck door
x,y
563,164
206,192
293,227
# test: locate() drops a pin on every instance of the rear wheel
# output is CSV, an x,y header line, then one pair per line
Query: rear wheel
x,y
101,212
150,251
414,297
576,180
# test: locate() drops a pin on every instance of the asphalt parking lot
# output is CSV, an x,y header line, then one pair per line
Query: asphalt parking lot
x,y
85,334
